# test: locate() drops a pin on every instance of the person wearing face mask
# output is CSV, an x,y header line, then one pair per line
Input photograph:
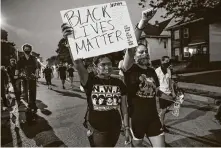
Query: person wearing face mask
x,y
166,91
142,84
48,74
28,64
15,83
106,95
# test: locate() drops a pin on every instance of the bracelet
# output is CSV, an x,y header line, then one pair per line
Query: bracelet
x,y
140,28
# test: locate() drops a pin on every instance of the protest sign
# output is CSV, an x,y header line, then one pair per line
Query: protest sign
x,y
99,29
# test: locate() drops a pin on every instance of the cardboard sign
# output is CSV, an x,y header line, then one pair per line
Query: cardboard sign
x,y
99,29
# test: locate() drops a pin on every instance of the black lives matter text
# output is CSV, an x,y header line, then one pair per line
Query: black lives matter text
x,y
93,28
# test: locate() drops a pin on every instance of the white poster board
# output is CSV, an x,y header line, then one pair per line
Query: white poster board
x,y
99,29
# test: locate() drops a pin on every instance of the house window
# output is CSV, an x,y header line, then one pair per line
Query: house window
x,y
177,51
186,32
165,44
204,50
177,34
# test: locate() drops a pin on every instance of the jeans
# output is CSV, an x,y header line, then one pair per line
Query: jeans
x,y
31,96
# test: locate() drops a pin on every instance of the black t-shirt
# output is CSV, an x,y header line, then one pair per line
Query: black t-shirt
x,y
141,85
62,70
11,71
29,65
70,72
47,72
104,99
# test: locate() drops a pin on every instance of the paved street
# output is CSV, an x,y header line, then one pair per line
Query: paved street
x,y
61,114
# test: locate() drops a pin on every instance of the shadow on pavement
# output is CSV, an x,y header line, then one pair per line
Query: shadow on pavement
x,y
41,132
44,83
201,111
69,94
43,107
192,140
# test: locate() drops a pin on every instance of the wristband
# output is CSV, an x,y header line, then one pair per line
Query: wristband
x,y
139,28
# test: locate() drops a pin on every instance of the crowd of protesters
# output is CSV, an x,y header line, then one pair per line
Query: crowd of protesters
x,y
130,101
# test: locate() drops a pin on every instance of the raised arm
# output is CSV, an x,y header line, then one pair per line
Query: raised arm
x,y
82,71
129,55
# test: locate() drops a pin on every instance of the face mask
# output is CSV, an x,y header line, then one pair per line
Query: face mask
x,y
166,65
28,52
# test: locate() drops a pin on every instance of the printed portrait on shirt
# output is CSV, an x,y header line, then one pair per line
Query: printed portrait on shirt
x,y
105,97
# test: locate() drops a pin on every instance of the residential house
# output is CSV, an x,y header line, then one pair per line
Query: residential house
x,y
159,40
196,40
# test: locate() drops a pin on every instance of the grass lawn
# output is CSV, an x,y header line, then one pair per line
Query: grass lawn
x,y
213,79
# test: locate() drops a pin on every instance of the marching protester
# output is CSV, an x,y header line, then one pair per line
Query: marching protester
x,y
48,74
15,83
27,66
142,84
62,73
71,74
4,85
102,119
166,91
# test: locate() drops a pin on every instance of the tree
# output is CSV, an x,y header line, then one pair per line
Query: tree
x,y
7,48
53,60
63,52
206,9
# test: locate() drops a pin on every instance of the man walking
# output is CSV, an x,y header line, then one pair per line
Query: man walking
x,y
28,66
166,91
62,73
48,74
71,74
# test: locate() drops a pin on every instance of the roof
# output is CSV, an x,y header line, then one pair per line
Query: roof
x,y
156,30
184,22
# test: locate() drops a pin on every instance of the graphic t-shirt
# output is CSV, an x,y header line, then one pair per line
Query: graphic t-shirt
x,y
62,70
70,72
47,72
141,84
104,99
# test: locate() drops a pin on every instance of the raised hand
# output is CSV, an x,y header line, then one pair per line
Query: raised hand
x,y
148,14
66,30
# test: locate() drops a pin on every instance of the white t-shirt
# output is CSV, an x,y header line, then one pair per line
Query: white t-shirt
x,y
164,80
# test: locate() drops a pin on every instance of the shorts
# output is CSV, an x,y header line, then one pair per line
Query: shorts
x,y
62,77
149,127
164,102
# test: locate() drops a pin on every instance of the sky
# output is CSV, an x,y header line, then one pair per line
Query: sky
x,y
38,21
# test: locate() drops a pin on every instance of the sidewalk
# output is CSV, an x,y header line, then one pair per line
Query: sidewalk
x,y
201,87
196,73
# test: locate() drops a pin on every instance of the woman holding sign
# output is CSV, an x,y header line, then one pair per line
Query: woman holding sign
x,y
105,95
142,83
